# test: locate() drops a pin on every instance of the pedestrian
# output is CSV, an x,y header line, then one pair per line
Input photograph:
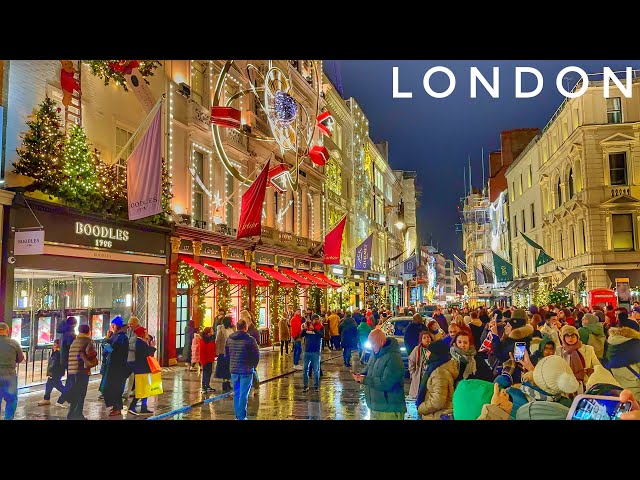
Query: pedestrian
x,y
195,350
312,333
582,358
477,328
189,331
284,334
255,333
434,331
133,324
218,321
244,355
68,336
541,348
363,334
418,363
453,329
348,338
370,320
412,332
383,379
435,396
222,364
10,355
472,365
296,328
610,320
357,316
516,330
592,333
207,357
441,319
551,328
55,371
623,355
116,373
145,347
82,357
334,321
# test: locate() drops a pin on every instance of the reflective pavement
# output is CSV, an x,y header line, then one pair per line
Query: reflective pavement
x,y
279,395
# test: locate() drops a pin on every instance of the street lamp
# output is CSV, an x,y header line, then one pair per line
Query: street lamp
x,y
400,222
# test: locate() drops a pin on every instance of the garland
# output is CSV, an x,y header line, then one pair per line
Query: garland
x,y
223,299
115,70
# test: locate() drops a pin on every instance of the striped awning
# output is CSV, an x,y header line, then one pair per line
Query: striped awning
x,y
258,279
302,281
284,281
327,280
234,277
207,271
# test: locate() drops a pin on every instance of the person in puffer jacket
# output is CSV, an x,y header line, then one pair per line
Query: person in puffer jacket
x,y
435,396
592,333
623,355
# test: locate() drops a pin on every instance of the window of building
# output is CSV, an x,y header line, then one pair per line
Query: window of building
x,y
614,110
182,316
337,135
524,262
565,129
379,180
533,216
198,82
379,206
334,178
618,168
122,137
559,193
571,183
230,184
573,240
530,176
584,236
513,191
575,118
515,226
561,246
622,232
524,225
520,189
554,142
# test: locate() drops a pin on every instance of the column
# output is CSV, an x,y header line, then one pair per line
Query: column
x,y
289,225
270,209
304,205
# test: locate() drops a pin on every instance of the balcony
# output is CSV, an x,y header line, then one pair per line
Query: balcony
x,y
199,116
272,236
620,190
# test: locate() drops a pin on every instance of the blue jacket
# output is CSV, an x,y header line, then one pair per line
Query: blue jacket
x,y
358,317
65,344
243,353
348,332
312,341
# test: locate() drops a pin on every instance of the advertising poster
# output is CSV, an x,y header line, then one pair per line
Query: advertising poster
x,y
44,331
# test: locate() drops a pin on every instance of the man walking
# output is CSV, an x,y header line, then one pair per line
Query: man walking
x,y
244,355
10,355
82,355
312,332
383,379
67,339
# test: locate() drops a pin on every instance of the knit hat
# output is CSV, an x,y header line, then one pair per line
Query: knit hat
x,y
601,375
519,313
568,330
629,322
533,309
553,375
117,320
590,318
140,331
438,348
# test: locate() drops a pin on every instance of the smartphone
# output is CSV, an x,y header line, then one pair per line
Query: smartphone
x,y
597,407
518,352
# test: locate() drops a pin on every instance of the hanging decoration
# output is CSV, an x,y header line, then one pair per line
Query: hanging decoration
x,y
68,82
325,123
280,177
250,223
117,70
319,155
333,243
226,117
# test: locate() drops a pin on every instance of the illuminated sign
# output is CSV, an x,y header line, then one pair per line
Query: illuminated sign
x,y
102,235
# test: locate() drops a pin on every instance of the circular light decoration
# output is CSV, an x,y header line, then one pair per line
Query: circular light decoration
x,y
285,107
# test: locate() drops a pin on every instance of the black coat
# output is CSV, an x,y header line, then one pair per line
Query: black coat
x,y
55,368
65,344
483,371
348,333
412,335
116,371
143,350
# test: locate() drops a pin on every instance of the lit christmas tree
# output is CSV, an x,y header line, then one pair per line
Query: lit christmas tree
x,y
80,185
560,298
41,151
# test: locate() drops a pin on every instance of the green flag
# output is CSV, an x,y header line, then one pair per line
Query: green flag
x,y
503,269
543,258
531,242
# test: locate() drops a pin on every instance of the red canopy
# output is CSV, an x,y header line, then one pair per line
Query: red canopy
x,y
208,272
284,281
301,280
234,277
316,281
258,279
327,280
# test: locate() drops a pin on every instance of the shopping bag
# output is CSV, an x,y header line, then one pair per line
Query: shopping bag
x,y
148,384
154,365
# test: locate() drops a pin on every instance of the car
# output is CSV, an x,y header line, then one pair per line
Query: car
x,y
427,310
393,327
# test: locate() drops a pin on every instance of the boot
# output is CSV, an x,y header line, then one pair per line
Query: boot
x,y
226,386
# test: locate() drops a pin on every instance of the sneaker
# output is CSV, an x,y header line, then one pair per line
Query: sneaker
x,y
115,413
305,388
146,412
62,405
44,402
132,411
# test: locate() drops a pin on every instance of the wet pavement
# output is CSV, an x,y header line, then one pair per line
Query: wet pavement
x,y
279,396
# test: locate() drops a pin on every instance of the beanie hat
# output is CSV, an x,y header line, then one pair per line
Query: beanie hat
x,y
140,331
631,324
568,330
533,309
117,320
469,397
506,314
438,348
517,322
590,318
553,375
519,313
601,375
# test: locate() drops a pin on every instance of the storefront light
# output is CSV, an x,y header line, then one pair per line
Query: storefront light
x,y
85,301
127,300
383,278
337,270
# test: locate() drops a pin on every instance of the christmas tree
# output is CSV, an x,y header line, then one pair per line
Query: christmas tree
x,y
41,151
80,170
560,298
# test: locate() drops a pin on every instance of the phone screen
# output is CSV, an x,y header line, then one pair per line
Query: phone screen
x,y
518,353
600,409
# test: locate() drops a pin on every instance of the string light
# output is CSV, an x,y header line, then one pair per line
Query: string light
x,y
170,130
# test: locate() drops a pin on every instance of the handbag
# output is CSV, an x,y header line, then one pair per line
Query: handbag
x,y
148,384
154,365
90,356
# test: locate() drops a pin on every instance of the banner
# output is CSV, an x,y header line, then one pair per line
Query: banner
x,y
250,223
479,276
144,173
29,242
409,266
488,274
531,242
363,254
504,270
333,243
543,258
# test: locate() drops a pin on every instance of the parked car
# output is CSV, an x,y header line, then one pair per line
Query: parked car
x,y
393,327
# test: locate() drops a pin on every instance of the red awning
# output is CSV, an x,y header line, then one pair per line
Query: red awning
x,y
316,281
301,280
192,263
327,280
258,279
284,281
234,277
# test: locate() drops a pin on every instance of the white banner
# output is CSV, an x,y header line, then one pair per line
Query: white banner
x,y
29,242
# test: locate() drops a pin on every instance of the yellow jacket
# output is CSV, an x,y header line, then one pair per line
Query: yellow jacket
x,y
334,322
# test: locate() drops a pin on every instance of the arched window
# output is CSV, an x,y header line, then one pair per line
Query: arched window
x,y
571,183
561,247
559,194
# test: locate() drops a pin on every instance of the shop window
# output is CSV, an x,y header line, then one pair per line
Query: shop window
x,y
198,194
182,317
618,168
198,82
614,110
623,232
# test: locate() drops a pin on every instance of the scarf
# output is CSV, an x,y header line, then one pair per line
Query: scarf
x,y
432,363
576,360
422,357
465,357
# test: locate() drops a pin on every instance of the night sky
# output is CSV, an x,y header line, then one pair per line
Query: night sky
x,y
435,136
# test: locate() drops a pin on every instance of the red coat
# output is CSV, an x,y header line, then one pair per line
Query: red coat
x,y
612,318
207,351
296,325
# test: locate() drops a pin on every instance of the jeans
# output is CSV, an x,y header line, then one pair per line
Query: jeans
x,y
335,341
64,396
9,393
284,345
241,386
53,382
346,356
206,374
313,359
78,383
297,351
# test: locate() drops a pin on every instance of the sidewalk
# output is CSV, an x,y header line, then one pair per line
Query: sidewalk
x,y
181,389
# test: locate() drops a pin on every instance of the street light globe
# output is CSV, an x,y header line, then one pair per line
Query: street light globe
x,y
399,224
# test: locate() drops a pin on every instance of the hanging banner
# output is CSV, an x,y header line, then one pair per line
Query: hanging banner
x,y
409,266
531,242
363,254
250,223
479,276
488,274
29,242
333,243
504,270
144,173
623,290
543,258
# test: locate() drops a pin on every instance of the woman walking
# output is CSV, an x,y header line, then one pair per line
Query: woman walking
x,y
222,365
207,356
145,347
284,332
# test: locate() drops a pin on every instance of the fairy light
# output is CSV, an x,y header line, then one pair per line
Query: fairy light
x,y
298,208
313,217
170,130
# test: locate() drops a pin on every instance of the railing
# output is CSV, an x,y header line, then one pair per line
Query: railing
x,y
618,191
264,337
285,237
267,232
34,368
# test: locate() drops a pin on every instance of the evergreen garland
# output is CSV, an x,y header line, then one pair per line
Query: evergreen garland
x,y
113,70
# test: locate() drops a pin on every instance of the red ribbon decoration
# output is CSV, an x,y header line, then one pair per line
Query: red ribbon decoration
x,y
250,223
333,243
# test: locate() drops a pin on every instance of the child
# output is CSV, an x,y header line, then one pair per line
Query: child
x,y
195,351
55,371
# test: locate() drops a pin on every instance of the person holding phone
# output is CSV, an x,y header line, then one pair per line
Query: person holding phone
x,y
471,363
516,330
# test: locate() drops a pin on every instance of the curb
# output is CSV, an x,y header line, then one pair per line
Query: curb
x,y
215,398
